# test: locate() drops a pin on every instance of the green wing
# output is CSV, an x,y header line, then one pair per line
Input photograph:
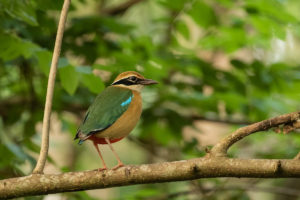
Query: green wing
x,y
105,110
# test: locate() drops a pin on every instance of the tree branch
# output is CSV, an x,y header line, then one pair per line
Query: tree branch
x,y
221,148
297,157
120,9
214,165
50,89
38,184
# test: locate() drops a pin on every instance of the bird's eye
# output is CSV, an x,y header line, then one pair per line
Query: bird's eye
x,y
132,78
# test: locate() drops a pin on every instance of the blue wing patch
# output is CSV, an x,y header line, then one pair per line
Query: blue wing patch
x,y
125,103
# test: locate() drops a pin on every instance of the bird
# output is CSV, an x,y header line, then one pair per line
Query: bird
x,y
114,113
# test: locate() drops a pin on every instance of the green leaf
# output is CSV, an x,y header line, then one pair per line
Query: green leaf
x,y
175,5
69,78
228,38
274,9
183,29
92,82
202,14
44,60
157,130
267,27
49,4
12,47
20,9
10,145
97,24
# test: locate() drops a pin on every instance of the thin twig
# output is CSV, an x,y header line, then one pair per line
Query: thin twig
x,y
50,90
221,148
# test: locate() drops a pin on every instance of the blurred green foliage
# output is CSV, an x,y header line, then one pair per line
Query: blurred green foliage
x,y
179,43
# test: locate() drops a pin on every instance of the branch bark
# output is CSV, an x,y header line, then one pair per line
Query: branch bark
x,y
39,168
297,157
38,184
120,9
221,148
216,164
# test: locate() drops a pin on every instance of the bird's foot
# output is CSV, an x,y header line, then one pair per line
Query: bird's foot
x,y
102,169
118,166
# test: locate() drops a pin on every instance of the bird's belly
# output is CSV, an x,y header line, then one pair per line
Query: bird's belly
x,y
126,123
122,129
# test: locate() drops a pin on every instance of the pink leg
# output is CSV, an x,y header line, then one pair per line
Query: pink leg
x,y
120,164
98,150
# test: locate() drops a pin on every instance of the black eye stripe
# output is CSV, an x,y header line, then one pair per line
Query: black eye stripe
x,y
124,82
127,81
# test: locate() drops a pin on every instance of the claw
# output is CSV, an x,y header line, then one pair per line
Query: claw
x,y
118,166
102,169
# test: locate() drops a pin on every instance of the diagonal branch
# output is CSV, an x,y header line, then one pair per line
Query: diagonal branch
x,y
39,168
38,184
221,148
120,9
297,157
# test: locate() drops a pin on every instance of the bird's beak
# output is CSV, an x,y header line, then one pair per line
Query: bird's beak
x,y
147,82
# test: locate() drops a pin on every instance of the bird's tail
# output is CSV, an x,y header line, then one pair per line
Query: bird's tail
x,y
82,137
80,142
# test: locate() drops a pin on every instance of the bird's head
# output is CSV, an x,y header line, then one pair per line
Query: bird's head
x,y
132,80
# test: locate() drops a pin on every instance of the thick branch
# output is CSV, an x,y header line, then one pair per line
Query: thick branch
x,y
50,89
221,148
38,184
